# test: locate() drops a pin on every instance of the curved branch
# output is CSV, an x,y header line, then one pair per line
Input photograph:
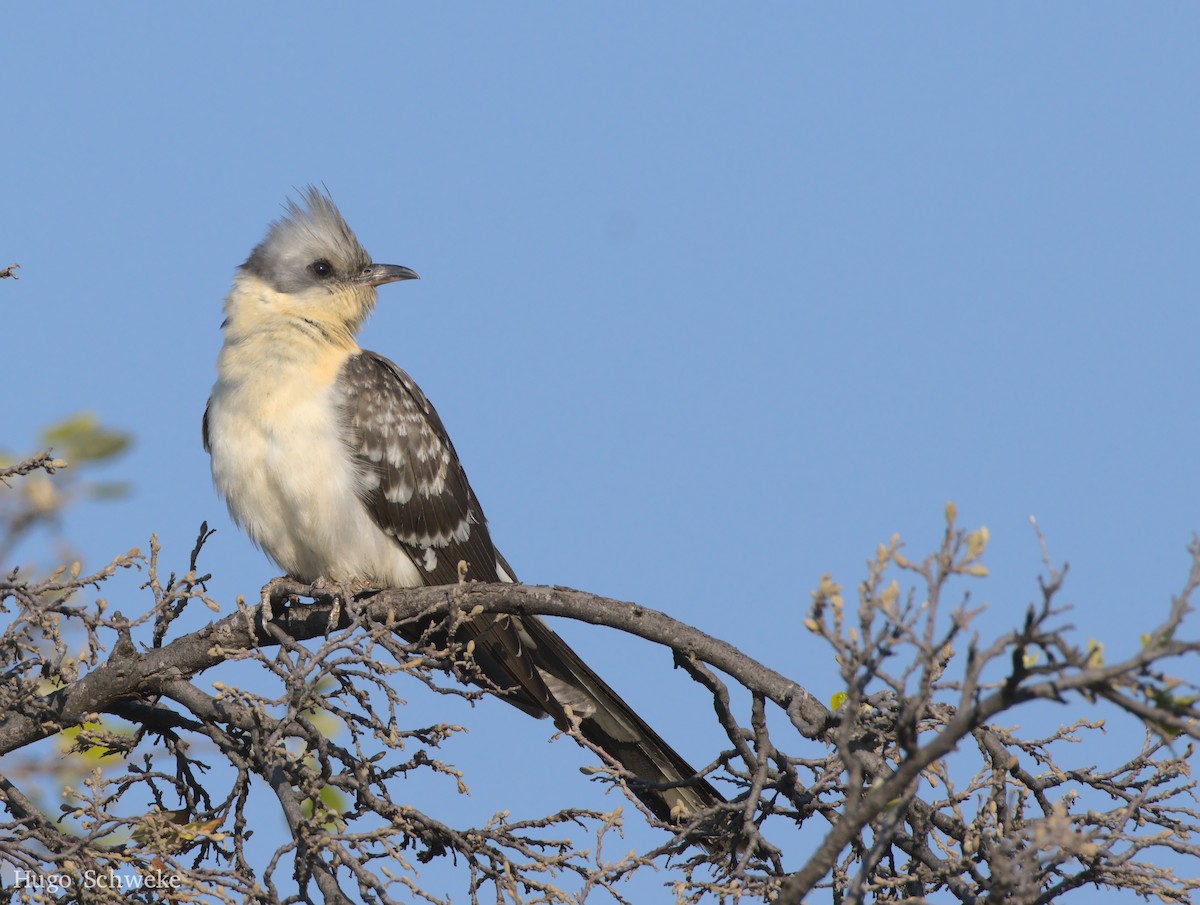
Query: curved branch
x,y
127,673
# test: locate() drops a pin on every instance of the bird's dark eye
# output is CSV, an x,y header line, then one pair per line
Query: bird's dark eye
x,y
321,268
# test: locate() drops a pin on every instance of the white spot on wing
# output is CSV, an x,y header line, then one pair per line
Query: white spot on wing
x,y
398,492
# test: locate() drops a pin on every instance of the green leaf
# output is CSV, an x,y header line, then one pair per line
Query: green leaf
x,y
80,438
110,490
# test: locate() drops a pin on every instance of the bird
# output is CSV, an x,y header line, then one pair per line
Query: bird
x,y
338,467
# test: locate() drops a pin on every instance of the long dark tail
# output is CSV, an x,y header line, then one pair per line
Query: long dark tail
x,y
541,675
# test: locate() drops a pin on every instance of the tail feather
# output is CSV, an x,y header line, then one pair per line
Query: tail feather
x,y
541,675
535,671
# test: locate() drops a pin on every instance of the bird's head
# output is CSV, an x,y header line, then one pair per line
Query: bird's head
x,y
311,268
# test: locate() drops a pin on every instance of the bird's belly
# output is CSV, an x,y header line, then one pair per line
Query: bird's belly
x,y
292,484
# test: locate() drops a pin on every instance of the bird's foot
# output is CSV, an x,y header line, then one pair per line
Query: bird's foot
x,y
342,592
271,589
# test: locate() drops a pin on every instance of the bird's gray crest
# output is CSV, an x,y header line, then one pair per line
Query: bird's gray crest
x,y
309,233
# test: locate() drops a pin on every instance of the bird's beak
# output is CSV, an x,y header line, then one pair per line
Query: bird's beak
x,y
378,274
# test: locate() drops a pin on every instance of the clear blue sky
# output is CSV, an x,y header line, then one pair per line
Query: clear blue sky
x,y
713,299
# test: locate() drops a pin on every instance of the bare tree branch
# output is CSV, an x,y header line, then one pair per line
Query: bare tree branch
x,y
891,803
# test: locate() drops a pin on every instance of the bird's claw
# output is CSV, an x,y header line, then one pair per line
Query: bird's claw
x,y
268,592
342,593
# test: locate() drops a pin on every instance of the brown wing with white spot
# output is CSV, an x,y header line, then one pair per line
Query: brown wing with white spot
x,y
416,490
411,479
